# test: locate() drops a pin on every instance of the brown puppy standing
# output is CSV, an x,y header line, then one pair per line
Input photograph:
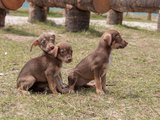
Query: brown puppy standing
x,y
45,68
94,66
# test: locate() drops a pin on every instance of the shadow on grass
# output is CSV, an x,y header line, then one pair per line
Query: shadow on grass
x,y
53,24
129,27
90,32
49,24
94,32
17,31
130,95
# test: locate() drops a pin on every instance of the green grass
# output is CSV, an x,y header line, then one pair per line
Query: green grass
x,y
132,80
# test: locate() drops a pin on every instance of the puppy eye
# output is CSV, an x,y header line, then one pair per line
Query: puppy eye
x,y
43,42
62,51
52,38
117,36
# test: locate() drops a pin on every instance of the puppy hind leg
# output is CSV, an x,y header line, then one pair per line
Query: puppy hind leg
x,y
24,83
71,82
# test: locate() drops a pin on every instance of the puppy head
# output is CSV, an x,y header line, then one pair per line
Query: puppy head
x,y
63,51
46,42
114,40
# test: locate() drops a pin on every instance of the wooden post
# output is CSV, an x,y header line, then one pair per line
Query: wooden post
x,y
37,13
149,17
158,24
48,10
2,17
114,17
76,20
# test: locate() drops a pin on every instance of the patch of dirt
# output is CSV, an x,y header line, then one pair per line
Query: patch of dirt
x,y
17,20
18,38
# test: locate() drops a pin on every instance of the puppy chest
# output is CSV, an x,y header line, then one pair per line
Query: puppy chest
x,y
104,69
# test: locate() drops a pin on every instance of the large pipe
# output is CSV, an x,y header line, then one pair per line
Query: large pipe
x,y
135,5
11,4
98,6
102,6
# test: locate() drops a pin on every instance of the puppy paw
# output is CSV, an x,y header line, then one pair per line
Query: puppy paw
x,y
105,91
23,92
71,91
100,92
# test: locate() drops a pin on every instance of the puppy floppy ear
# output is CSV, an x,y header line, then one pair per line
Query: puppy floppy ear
x,y
107,38
35,43
56,51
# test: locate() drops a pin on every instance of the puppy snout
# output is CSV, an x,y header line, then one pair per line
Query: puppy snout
x,y
51,47
69,59
124,44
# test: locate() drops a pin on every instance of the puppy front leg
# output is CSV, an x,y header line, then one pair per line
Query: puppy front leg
x,y
61,81
60,86
104,83
51,81
98,81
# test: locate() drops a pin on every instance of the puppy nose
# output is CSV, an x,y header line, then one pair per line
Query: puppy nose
x,y
51,47
69,59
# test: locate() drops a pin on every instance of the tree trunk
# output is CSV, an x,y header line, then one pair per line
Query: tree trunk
x,y
114,17
76,20
99,6
158,25
37,13
2,17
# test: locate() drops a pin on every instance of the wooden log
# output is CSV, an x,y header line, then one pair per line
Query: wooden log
x,y
2,17
37,13
11,4
76,20
114,17
135,5
99,6
102,6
